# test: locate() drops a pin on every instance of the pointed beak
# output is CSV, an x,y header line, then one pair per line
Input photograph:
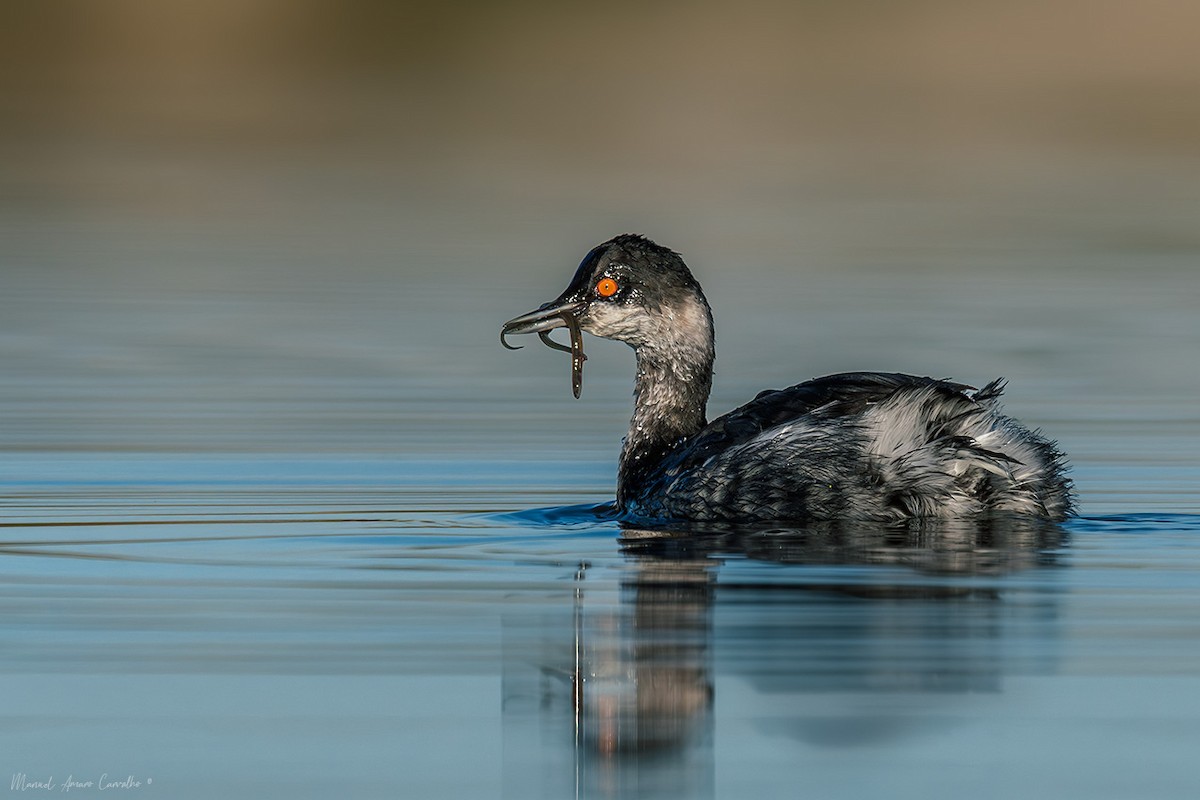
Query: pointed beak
x,y
547,317
559,314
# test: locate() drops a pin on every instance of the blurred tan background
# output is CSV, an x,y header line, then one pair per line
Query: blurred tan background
x,y
778,123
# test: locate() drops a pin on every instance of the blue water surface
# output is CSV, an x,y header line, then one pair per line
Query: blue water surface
x,y
307,627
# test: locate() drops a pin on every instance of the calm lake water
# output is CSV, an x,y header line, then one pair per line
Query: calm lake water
x,y
270,526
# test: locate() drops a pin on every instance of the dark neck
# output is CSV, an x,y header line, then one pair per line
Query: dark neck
x,y
670,396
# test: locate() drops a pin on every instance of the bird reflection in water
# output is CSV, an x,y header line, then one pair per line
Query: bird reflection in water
x,y
642,678
643,662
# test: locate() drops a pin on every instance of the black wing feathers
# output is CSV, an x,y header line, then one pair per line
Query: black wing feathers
x,y
832,396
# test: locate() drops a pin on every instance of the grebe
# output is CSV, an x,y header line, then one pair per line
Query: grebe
x,y
872,446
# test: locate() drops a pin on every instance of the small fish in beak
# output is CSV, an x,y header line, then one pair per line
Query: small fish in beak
x,y
545,319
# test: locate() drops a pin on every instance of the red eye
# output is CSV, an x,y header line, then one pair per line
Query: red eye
x,y
607,287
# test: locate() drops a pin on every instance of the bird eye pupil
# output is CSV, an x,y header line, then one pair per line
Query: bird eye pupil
x,y
607,287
